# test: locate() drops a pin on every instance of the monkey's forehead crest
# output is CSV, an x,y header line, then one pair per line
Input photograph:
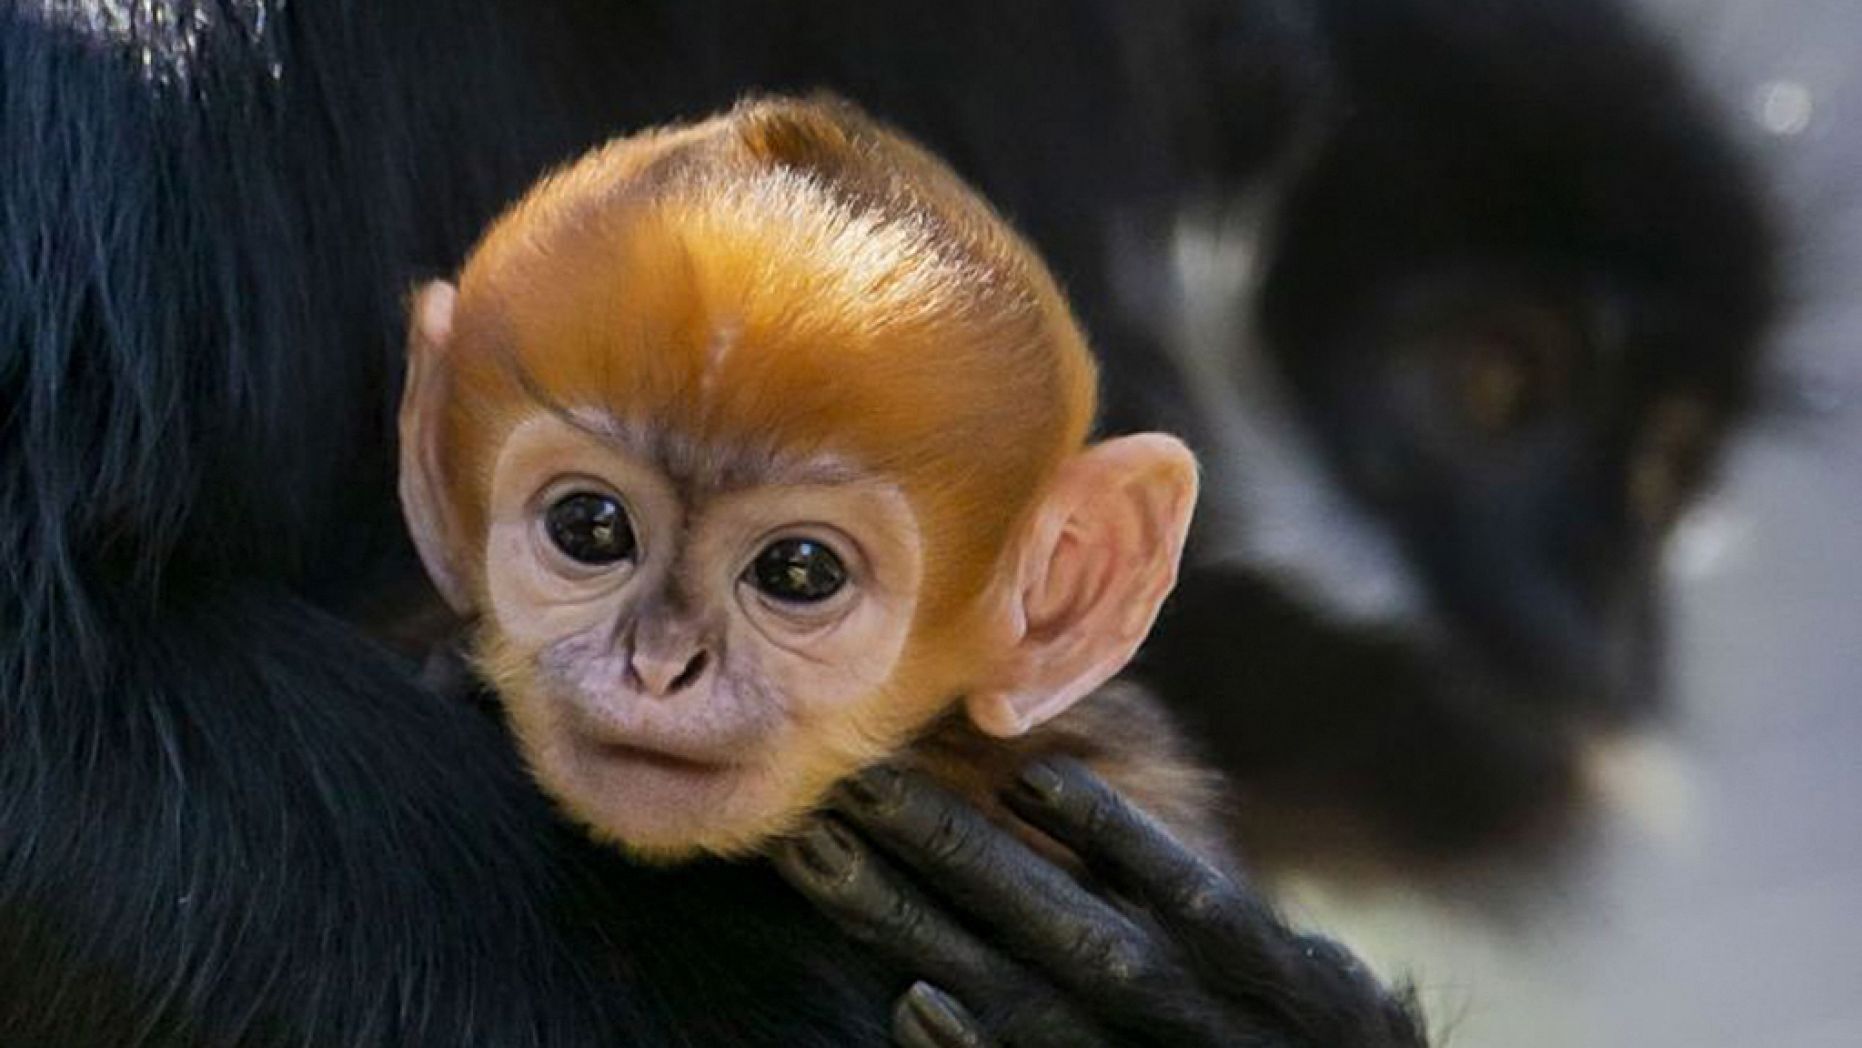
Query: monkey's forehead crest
x,y
804,324
708,464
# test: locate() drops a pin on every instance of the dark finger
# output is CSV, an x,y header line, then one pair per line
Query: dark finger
x,y
927,1017
1138,857
1244,950
875,905
1022,899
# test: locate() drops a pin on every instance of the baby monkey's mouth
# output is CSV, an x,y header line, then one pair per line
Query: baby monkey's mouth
x,y
687,737
661,759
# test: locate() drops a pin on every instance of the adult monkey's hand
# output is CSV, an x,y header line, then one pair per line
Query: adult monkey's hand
x,y
1014,951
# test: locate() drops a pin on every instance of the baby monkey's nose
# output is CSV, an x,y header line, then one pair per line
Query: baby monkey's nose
x,y
664,674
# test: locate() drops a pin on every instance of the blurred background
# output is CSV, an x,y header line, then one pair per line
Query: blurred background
x,y
1717,901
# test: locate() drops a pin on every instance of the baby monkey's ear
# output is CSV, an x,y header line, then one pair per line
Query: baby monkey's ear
x,y
432,517
1099,557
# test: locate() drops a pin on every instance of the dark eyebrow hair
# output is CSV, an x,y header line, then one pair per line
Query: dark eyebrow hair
x,y
822,471
713,465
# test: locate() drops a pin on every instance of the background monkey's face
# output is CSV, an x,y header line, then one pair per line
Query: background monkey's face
x,y
693,644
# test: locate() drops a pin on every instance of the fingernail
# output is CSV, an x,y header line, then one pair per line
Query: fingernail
x,y
1040,784
873,789
824,850
936,1012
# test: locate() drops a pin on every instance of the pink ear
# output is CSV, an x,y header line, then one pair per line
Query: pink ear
x,y
1100,557
425,501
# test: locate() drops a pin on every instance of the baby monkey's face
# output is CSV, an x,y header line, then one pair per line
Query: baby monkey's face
x,y
753,446
693,641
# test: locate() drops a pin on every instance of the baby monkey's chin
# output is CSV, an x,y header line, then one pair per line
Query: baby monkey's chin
x,y
662,809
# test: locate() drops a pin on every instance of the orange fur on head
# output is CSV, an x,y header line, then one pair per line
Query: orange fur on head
x,y
789,278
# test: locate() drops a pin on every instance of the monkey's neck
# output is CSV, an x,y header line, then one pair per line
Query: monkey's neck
x,y
1121,732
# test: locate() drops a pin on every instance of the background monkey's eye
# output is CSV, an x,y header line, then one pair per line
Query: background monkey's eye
x,y
590,528
1512,366
797,571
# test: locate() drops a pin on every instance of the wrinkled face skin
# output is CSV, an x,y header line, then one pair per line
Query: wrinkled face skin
x,y
692,645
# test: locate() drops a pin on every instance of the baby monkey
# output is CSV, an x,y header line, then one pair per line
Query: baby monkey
x,y
757,451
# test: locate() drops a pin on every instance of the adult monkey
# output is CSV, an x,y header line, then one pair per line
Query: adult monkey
x,y
225,815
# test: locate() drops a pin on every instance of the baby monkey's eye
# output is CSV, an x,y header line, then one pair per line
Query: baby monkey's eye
x,y
797,571
590,527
